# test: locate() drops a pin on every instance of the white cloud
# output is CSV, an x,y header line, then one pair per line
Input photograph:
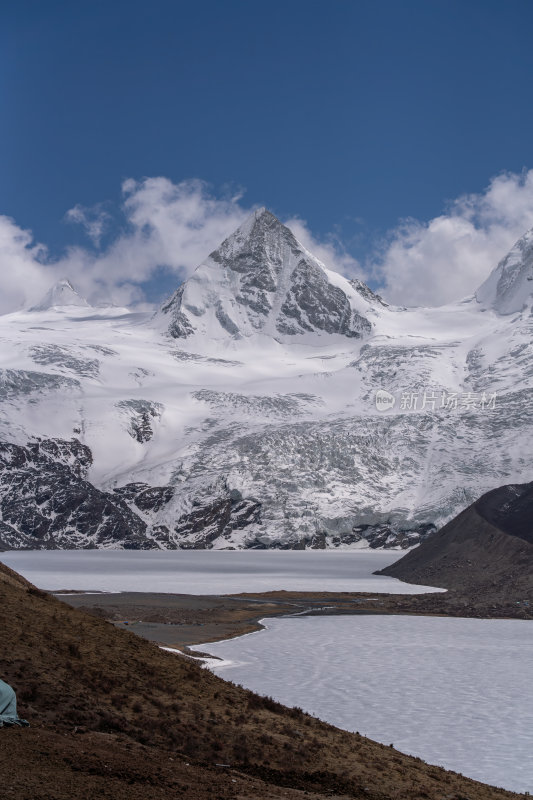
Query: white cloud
x,y
22,271
175,226
168,225
94,220
447,258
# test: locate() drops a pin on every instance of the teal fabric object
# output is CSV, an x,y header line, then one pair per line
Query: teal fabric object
x,y
8,706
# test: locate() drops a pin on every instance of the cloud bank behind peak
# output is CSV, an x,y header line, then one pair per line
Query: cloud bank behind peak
x,y
445,259
172,227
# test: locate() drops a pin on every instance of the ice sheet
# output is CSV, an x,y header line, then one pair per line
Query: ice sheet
x,y
209,572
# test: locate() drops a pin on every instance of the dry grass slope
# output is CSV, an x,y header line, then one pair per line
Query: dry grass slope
x,y
113,716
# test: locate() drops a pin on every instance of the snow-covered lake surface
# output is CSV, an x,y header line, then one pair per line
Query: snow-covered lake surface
x,y
455,692
209,572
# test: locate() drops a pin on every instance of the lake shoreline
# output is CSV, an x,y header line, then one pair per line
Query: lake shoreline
x,y
112,713
181,621
405,679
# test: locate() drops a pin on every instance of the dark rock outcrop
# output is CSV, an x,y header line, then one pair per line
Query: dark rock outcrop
x,y
51,355
142,416
46,502
146,498
208,522
20,383
386,535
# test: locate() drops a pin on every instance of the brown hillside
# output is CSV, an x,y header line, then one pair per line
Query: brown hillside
x,y
472,557
113,716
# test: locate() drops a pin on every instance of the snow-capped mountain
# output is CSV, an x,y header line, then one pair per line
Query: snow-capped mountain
x,y
269,403
510,287
62,294
262,280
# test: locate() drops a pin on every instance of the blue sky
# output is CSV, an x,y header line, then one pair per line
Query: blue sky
x,y
350,115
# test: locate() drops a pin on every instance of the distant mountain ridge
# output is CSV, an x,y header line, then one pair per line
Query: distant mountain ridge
x,y
245,412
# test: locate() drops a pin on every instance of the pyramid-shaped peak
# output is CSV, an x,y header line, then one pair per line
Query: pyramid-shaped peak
x,y
61,294
261,279
259,239
263,215
258,222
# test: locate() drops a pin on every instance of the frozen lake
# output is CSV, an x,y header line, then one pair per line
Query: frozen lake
x,y
456,692
209,571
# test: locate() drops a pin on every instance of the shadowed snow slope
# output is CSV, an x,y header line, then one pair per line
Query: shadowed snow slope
x,y
510,287
244,413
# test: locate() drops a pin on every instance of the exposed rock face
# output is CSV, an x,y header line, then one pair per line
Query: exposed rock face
x,y
146,498
15,383
217,519
47,503
386,535
64,358
179,325
261,279
312,304
141,416
362,289
376,536
73,454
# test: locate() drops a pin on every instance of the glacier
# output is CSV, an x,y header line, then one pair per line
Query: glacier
x,y
243,413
